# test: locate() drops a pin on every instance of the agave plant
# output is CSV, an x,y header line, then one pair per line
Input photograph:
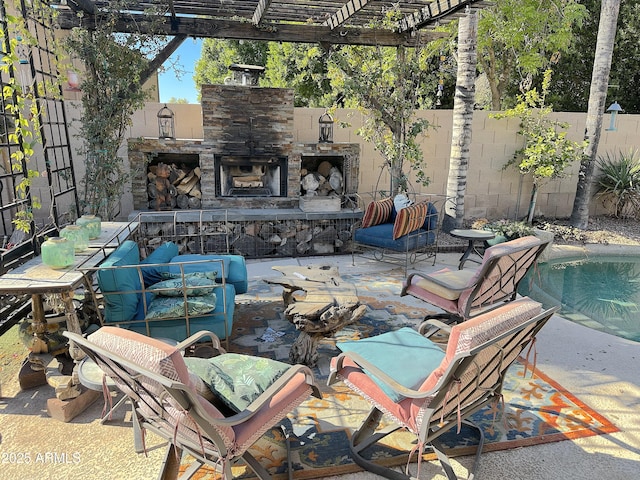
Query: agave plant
x,y
618,184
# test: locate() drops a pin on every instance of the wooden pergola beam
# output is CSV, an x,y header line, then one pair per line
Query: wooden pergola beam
x,y
230,29
347,10
261,8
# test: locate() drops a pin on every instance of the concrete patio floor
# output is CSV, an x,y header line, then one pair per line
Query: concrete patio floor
x,y
600,369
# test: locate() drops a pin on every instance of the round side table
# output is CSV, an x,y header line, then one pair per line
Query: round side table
x,y
471,235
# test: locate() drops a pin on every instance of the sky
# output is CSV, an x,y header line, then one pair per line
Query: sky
x,y
186,55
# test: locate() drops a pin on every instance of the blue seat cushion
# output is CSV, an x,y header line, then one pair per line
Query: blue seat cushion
x,y
163,254
381,236
121,307
393,353
431,220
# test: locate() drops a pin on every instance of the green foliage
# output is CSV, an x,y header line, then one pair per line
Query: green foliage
x,y
546,152
618,184
23,113
508,229
387,84
112,86
516,38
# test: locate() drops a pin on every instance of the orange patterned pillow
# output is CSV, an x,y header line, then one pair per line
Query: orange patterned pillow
x,y
409,219
377,212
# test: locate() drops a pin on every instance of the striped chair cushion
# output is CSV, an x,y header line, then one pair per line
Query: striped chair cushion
x,y
378,211
410,219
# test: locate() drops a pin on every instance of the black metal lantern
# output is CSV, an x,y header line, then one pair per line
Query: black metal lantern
x,y
166,123
326,128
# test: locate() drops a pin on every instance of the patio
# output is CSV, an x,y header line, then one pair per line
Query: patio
x,y
597,368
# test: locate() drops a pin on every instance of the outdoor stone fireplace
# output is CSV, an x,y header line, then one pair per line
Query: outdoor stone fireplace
x,y
246,159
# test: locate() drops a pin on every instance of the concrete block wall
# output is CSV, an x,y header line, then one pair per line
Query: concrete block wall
x,y
491,191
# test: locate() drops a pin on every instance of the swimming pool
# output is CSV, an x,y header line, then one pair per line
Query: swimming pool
x,y
602,293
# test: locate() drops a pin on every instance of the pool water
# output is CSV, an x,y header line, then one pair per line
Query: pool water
x,y
602,293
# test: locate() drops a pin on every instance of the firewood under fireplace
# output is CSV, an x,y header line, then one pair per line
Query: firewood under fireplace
x,y
170,187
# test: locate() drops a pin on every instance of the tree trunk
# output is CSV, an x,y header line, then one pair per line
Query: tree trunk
x,y
462,118
532,203
595,112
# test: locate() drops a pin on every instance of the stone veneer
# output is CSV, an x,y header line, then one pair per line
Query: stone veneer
x,y
242,121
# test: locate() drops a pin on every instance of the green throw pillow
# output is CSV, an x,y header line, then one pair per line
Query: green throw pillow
x,y
237,379
196,284
173,307
404,355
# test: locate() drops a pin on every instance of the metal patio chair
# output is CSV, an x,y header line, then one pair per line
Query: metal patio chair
x,y
446,388
463,294
168,400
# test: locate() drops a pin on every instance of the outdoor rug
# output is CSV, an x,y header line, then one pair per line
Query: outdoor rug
x,y
536,409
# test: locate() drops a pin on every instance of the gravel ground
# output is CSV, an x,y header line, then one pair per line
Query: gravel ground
x,y
603,230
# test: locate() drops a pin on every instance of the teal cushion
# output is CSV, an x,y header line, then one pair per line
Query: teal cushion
x,y
237,379
163,254
174,307
193,284
404,355
202,267
121,306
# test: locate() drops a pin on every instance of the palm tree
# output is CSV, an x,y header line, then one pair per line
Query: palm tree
x,y
595,111
462,117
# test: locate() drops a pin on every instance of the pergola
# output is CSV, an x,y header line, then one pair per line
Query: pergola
x,y
328,22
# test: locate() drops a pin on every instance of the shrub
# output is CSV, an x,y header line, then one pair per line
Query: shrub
x,y
618,184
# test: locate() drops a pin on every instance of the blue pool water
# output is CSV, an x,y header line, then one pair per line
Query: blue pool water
x,y
601,293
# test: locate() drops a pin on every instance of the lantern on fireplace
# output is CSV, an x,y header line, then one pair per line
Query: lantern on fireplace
x,y
166,124
326,128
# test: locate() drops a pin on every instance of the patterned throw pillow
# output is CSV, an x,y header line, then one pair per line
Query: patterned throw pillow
x,y
195,284
174,307
237,379
409,219
377,212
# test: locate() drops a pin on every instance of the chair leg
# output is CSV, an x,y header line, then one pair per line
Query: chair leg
x,y
446,463
171,463
367,436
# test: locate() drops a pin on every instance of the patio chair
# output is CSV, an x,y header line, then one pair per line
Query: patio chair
x,y
170,401
463,294
443,389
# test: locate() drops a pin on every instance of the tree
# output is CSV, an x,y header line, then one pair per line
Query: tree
x,y
462,118
112,92
517,37
597,96
213,65
384,83
546,152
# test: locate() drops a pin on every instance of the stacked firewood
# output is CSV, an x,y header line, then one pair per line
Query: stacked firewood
x,y
171,187
323,182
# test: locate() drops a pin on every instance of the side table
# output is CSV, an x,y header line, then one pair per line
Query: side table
x,y
472,236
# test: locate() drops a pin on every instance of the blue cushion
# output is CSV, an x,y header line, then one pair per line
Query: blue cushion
x,y
163,254
235,268
404,355
121,307
431,220
177,329
382,236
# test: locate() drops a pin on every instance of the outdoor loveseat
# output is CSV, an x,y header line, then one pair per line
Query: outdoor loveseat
x,y
167,295
404,236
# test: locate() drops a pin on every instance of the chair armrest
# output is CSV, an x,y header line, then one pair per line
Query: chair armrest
x,y
186,343
261,401
436,281
375,371
436,324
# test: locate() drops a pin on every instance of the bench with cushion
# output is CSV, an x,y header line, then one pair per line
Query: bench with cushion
x,y
167,295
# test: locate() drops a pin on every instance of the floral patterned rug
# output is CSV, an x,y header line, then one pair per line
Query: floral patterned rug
x,y
536,409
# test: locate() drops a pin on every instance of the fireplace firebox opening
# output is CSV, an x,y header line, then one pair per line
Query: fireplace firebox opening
x,y
250,176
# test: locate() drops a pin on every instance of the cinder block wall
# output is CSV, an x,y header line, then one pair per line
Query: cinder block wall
x,y
491,191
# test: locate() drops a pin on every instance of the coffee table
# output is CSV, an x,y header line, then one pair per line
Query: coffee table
x,y
472,235
327,304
